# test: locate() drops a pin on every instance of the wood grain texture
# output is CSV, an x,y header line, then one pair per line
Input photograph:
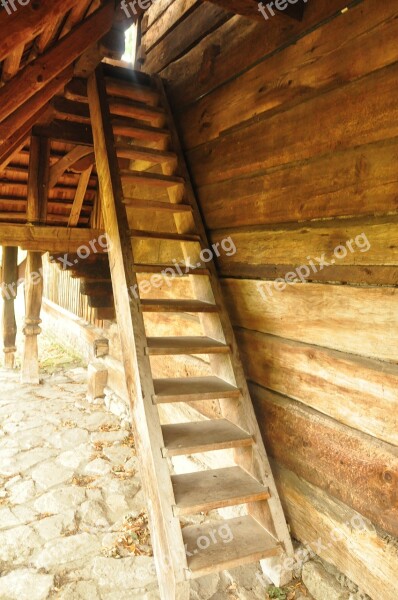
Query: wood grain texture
x,y
339,535
358,181
350,319
367,241
331,456
357,392
312,66
294,135
219,57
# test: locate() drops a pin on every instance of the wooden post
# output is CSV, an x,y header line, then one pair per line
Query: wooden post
x,y
39,164
9,292
33,299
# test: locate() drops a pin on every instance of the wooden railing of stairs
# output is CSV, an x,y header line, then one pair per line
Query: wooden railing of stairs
x,y
131,119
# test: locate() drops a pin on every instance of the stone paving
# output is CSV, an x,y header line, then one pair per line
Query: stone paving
x,y
72,514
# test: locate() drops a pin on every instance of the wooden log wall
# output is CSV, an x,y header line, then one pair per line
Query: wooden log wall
x,y
291,133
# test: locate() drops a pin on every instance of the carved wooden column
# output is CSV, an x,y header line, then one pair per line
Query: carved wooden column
x,y
33,300
9,292
36,213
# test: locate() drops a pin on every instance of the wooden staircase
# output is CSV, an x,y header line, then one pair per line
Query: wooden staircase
x,y
136,144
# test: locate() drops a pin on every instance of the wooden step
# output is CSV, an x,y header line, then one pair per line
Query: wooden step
x,y
147,154
131,129
176,306
191,389
150,179
217,488
165,270
132,91
246,542
135,110
164,235
163,346
142,203
203,436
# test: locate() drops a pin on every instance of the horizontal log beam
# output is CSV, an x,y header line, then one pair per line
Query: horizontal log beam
x,y
350,542
51,239
331,456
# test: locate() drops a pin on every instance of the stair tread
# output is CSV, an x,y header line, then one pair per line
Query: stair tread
x,y
151,268
203,436
133,129
177,306
157,205
187,389
141,153
137,110
155,179
131,90
216,488
247,542
185,345
164,235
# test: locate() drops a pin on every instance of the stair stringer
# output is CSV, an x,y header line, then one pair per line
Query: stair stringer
x,y
229,367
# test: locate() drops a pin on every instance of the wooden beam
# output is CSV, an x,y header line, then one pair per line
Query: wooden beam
x,y
11,63
50,239
79,197
9,292
66,162
66,132
39,164
16,128
44,69
33,299
28,22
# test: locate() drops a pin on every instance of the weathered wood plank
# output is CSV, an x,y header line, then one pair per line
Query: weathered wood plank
x,y
346,242
295,135
311,66
357,392
167,21
331,456
219,56
350,319
51,239
340,535
205,19
359,181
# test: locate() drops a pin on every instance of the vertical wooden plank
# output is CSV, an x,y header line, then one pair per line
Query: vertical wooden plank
x,y
39,164
9,292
